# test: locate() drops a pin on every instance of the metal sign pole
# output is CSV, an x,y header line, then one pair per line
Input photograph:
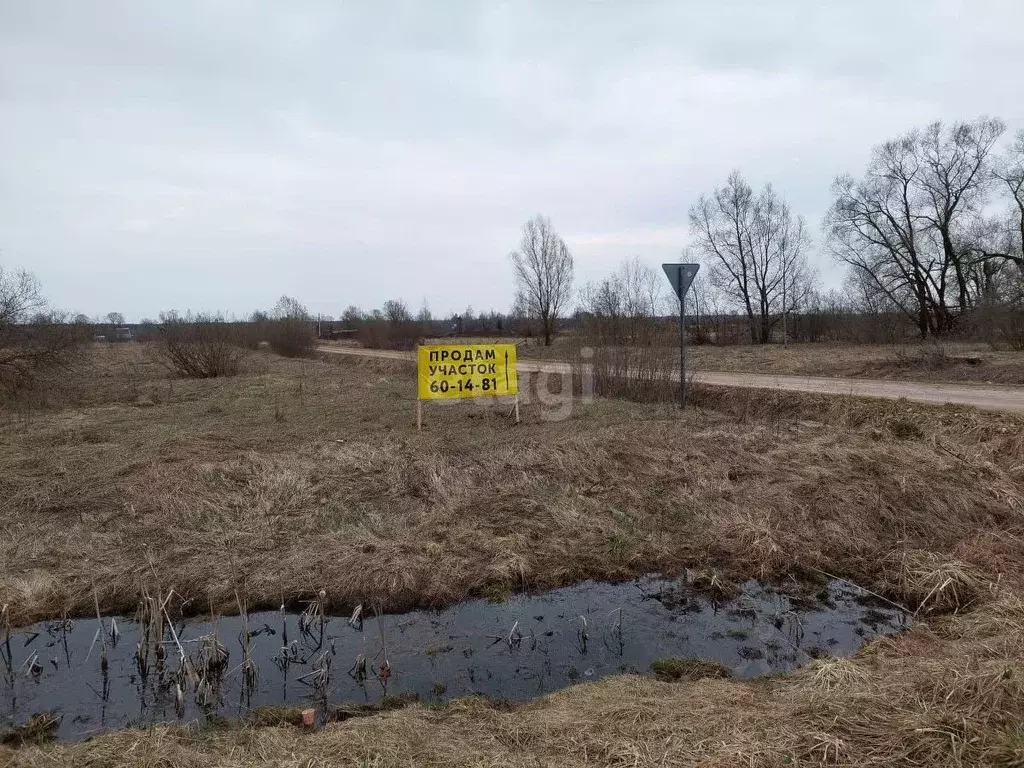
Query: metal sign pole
x,y
681,277
682,350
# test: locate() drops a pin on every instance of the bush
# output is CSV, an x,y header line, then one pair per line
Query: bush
x,y
387,334
1010,328
291,337
42,358
643,373
699,334
288,329
905,429
33,354
35,342
201,347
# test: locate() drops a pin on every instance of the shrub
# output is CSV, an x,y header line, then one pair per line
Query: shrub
x,y
621,342
905,429
288,329
201,347
1011,328
699,334
933,358
34,340
291,337
643,373
34,355
387,334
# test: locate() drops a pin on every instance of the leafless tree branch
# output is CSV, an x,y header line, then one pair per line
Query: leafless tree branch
x,y
543,268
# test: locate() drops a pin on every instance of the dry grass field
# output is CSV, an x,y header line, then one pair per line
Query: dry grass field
x,y
915,361
953,361
304,475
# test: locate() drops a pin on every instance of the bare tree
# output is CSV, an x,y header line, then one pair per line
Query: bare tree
x,y
33,338
623,305
1000,249
543,270
397,311
115,318
352,316
954,180
20,297
642,288
994,256
288,307
1010,172
424,316
722,227
756,250
291,334
629,351
915,223
602,303
875,227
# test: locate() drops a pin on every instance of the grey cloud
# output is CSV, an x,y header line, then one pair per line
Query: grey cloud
x,y
215,154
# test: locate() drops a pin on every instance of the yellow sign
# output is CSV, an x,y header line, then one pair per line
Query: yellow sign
x,y
466,370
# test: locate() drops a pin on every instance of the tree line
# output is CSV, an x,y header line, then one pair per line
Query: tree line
x,y
931,234
932,231
935,226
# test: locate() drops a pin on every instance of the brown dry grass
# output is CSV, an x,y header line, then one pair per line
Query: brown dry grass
x,y
304,475
300,475
913,361
952,361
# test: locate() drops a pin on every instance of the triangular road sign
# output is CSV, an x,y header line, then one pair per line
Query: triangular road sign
x,y
681,276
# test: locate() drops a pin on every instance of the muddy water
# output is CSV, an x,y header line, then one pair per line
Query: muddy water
x,y
566,636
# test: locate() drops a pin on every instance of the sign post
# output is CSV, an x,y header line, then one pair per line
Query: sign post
x,y
681,277
447,371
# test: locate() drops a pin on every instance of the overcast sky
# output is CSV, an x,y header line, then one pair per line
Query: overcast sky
x,y
214,155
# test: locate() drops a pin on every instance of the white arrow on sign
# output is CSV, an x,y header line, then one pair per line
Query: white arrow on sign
x,y
681,276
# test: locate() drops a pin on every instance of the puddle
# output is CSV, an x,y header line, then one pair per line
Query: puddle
x,y
467,649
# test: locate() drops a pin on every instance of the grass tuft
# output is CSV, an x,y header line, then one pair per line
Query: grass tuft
x,y
673,669
39,729
934,583
829,675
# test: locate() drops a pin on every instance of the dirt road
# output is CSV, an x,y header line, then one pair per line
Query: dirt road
x,y
987,397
